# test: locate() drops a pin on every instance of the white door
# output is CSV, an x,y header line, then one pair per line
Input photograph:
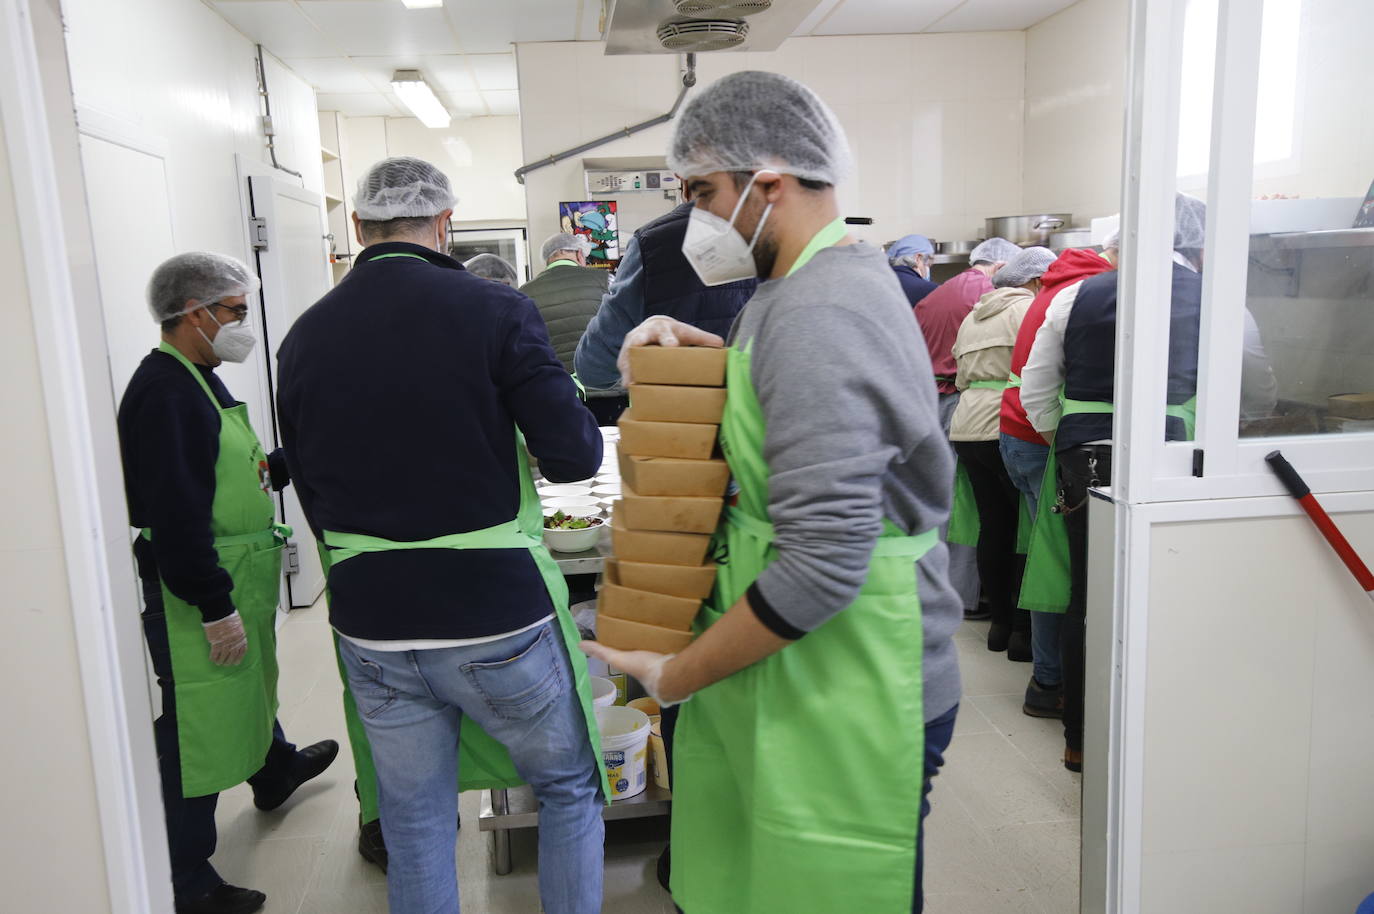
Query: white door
x,y
293,263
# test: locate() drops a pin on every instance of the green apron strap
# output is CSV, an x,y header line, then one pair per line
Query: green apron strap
x,y
344,546
176,353
1013,380
830,235
563,263
399,254
987,385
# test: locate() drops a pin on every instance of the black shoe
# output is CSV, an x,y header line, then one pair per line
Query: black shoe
x,y
665,867
978,614
310,763
1042,701
1073,760
1019,647
998,637
370,844
224,899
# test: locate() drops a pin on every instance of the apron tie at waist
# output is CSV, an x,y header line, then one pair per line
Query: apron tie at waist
x,y
273,535
343,546
988,385
886,545
1013,380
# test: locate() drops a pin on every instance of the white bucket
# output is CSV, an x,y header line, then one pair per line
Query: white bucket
x,y
603,692
625,747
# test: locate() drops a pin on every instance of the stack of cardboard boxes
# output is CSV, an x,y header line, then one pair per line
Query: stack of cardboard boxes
x,y
672,490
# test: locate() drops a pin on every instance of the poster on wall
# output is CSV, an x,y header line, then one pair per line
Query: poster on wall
x,y
1365,217
596,220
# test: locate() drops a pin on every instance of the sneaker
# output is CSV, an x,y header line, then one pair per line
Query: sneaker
x,y
224,899
1043,701
310,763
1019,647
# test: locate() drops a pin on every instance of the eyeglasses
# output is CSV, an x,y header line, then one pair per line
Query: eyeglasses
x,y
240,312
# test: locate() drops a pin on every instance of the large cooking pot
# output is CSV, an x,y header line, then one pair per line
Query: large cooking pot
x,y
1071,238
1033,229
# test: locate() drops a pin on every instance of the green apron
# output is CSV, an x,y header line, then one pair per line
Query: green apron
x,y
483,763
964,524
1045,586
225,713
797,780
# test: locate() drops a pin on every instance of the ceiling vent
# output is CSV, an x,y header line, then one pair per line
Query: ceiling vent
x,y
721,8
701,35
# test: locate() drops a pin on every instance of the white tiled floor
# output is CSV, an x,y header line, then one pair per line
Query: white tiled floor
x,y
1002,836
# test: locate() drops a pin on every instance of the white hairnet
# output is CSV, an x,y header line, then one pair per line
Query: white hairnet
x,y
752,120
489,266
994,250
402,187
1113,240
1190,222
198,275
1029,264
564,241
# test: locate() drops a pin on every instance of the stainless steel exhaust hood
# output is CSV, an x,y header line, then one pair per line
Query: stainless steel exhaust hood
x,y
678,26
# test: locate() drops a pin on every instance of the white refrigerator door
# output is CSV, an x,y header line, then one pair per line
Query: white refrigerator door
x,y
293,263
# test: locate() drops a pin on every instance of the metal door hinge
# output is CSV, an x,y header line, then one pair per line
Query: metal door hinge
x,y
257,233
292,559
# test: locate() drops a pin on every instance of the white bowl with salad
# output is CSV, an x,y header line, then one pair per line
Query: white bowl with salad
x,y
564,532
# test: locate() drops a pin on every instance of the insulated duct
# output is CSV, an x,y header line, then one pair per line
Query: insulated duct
x,y
689,79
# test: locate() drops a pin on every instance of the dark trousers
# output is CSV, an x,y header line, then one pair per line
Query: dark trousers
x,y
938,734
191,834
999,512
607,409
1080,468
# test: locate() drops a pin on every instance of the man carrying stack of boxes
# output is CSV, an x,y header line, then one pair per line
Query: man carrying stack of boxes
x,y
822,676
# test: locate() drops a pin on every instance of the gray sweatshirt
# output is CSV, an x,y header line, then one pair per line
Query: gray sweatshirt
x,y
852,436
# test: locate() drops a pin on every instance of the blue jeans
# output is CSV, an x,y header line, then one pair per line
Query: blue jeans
x,y
1025,461
938,734
520,691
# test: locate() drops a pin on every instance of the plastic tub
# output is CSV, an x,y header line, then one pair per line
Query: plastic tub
x,y
625,748
603,692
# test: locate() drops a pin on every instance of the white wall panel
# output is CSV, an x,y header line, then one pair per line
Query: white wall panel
x,y
177,74
912,127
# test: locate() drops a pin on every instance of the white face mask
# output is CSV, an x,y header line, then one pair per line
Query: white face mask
x,y
717,252
233,342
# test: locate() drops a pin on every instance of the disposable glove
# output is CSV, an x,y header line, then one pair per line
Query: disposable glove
x,y
228,640
645,666
661,330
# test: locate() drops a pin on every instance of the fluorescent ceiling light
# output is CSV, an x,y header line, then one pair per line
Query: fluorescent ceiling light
x,y
422,4
410,87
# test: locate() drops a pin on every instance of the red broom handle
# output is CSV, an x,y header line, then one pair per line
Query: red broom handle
x,y
1300,490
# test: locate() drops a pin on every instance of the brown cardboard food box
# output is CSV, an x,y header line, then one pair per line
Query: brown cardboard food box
x,y
688,440
649,608
674,476
667,513
697,366
667,403
692,582
657,547
625,635
1351,406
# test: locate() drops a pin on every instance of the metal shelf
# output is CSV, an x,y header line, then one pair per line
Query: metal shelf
x,y
502,810
1307,241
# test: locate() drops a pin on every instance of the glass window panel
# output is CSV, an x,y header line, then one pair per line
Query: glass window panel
x,y
1310,285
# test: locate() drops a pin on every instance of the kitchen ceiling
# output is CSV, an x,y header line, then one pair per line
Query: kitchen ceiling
x,y
348,49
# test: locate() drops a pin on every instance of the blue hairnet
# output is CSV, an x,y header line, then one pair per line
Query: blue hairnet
x,y
911,244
